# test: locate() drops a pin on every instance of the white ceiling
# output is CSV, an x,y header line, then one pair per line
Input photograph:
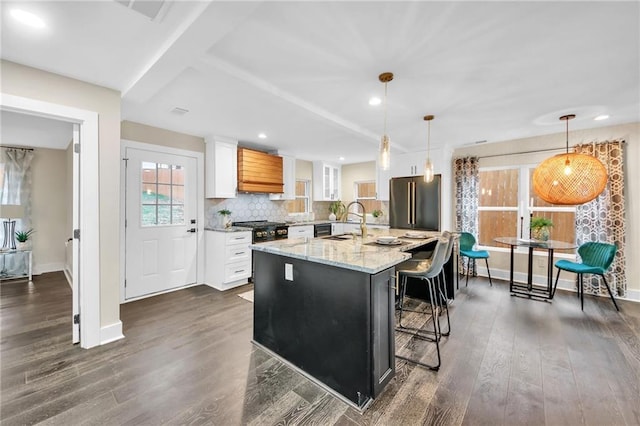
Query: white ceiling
x,y
302,72
37,132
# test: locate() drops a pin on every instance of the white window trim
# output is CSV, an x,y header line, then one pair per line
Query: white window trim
x,y
524,208
307,196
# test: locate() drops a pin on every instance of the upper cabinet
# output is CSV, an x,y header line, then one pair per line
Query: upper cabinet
x,y
326,181
409,164
288,180
221,168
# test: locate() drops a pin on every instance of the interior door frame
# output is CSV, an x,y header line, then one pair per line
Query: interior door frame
x,y
199,156
89,197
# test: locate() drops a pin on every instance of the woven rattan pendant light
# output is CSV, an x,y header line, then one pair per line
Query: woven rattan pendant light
x,y
569,178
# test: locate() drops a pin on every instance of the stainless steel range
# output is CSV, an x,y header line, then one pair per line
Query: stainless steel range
x,y
265,231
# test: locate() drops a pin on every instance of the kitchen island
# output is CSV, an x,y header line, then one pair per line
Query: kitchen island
x,y
326,306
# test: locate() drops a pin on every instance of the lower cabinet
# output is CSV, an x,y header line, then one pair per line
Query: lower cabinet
x,y
300,231
335,324
228,259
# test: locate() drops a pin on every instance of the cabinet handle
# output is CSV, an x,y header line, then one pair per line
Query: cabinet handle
x,y
237,272
239,252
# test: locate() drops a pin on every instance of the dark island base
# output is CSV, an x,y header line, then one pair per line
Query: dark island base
x,y
334,324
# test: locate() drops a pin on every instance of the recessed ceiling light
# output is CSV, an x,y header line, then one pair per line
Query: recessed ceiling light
x,y
601,117
27,18
375,101
341,158
262,135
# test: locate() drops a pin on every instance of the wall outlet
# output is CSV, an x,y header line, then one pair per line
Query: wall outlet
x,y
288,271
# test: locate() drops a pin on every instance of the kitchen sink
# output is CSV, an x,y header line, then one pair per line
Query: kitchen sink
x,y
341,237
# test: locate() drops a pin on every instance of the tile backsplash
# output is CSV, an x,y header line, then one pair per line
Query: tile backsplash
x,y
247,207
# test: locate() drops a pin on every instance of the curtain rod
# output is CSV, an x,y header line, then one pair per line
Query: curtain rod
x,y
541,150
522,152
16,147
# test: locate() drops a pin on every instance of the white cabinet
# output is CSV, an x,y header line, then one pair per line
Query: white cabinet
x,y
326,181
337,228
409,164
288,178
221,169
228,259
298,231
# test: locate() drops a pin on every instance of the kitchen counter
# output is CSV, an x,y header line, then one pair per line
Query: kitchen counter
x,y
357,254
231,229
326,306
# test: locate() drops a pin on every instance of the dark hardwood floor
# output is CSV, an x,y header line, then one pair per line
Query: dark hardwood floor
x,y
187,359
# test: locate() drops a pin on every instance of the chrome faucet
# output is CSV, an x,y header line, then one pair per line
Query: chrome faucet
x,y
363,216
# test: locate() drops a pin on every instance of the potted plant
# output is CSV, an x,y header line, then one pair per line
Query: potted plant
x,y
22,238
539,227
335,210
225,214
377,214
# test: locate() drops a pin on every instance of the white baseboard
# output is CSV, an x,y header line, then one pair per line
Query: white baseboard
x,y
521,277
228,286
563,283
111,333
43,268
632,295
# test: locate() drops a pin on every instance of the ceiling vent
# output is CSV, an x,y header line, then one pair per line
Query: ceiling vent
x,y
152,9
179,111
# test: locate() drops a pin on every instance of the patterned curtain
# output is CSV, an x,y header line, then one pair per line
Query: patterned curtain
x,y
15,164
603,219
466,172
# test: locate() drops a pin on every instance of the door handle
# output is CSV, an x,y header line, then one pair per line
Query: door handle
x,y
191,230
409,203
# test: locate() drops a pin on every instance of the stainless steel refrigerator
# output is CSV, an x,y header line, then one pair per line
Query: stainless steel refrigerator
x,y
414,204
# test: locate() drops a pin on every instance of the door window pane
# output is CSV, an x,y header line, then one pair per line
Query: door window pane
x,y
162,194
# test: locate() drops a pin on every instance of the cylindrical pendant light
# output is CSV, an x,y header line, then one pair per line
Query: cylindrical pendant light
x,y
428,166
569,178
384,160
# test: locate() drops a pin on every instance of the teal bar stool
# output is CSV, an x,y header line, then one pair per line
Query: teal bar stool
x,y
596,259
467,241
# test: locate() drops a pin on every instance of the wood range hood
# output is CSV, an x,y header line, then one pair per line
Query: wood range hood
x,y
259,172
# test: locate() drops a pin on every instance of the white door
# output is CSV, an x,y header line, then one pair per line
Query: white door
x,y
75,243
160,214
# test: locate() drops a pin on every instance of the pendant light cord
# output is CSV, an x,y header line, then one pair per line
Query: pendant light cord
x,y
385,108
429,140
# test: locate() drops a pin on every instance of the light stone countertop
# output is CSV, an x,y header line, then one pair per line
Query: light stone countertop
x,y
356,254
231,229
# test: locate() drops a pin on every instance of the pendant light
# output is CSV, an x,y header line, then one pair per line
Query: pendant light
x,y
569,178
428,165
384,160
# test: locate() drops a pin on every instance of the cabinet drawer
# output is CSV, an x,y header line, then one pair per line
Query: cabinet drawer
x,y
237,271
301,231
238,238
237,253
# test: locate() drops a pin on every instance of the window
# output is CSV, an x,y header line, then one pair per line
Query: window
x,y
365,193
506,203
302,203
162,200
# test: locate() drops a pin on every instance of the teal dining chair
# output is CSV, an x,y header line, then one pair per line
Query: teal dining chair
x,y
596,259
466,243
